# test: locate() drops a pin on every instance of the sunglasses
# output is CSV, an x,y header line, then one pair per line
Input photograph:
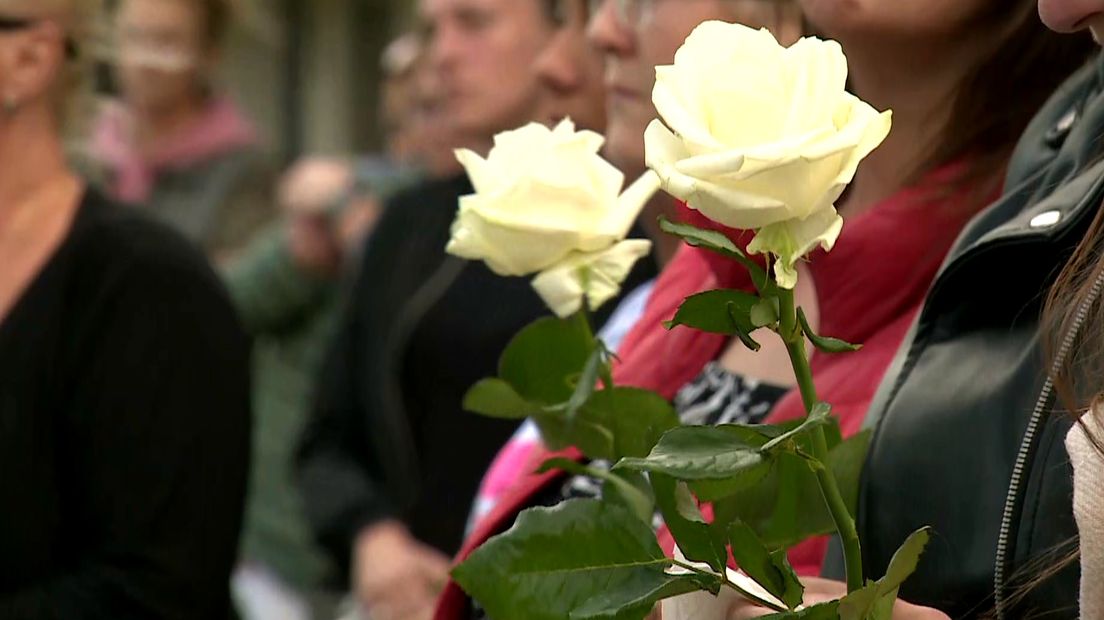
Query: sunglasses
x,y
9,24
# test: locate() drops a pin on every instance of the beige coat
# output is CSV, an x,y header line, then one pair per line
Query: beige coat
x,y
1088,506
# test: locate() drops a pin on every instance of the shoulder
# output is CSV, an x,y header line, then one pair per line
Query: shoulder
x,y
118,251
1081,447
422,212
106,231
432,194
1069,111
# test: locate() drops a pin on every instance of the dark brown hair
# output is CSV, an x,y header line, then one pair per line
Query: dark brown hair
x,y
1073,341
1073,324
217,15
999,95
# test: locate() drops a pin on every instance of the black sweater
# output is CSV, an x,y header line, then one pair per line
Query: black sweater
x,y
389,438
124,420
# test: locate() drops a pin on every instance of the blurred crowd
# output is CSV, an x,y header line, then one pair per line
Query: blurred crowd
x,y
349,464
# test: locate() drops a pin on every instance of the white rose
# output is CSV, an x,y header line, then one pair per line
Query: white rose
x,y
758,136
546,202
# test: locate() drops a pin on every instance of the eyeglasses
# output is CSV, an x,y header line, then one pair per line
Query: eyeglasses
x,y
10,24
630,13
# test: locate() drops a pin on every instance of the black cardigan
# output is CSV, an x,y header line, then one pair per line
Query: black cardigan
x,y
124,430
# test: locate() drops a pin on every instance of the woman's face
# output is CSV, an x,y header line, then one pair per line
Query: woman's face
x,y
647,35
1074,15
163,52
32,53
570,68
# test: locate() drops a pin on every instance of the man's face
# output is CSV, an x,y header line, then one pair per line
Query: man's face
x,y
483,52
571,69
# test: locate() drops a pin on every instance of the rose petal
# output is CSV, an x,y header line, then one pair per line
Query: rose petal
x,y
596,276
483,179
514,248
757,136
791,240
619,220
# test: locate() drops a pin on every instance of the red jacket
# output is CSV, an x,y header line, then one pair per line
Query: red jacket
x,y
869,289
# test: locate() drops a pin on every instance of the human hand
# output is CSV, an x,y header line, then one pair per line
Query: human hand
x,y
395,576
824,590
312,184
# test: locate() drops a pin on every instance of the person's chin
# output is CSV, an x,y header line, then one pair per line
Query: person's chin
x,y
625,146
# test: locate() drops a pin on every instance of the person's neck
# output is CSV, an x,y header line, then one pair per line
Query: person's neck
x,y
477,144
28,171
920,99
154,126
664,245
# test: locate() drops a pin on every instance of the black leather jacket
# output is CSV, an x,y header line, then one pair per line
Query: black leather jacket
x,y
964,408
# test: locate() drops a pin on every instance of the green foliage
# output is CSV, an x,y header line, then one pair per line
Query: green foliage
x,y
787,506
771,570
828,345
723,311
582,559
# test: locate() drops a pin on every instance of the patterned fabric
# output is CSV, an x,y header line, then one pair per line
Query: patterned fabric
x,y
720,397
1088,506
716,396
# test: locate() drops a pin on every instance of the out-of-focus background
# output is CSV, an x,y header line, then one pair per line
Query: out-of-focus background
x,y
304,70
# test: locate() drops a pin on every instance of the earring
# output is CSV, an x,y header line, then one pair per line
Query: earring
x,y
11,105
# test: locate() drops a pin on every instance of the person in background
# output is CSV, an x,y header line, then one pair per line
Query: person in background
x,y
173,144
287,286
124,401
942,163
1074,320
586,79
391,461
923,184
982,383
572,70
403,77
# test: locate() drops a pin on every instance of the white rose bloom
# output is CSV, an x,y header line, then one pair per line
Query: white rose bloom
x,y
546,202
758,136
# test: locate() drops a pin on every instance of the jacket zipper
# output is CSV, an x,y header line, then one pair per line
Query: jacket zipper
x,y
1028,443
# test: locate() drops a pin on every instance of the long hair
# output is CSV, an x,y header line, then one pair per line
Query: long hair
x,y
1073,340
1073,326
1000,94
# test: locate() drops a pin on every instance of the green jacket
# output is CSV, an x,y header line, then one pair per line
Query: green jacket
x,y
291,314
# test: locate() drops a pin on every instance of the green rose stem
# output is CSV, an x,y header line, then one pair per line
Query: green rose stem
x,y
794,338
583,318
